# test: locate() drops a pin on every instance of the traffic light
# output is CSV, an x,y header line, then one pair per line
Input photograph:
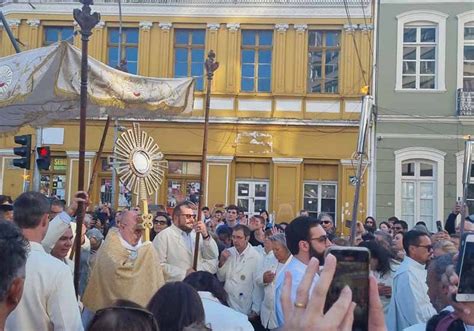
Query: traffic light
x,y
24,151
44,157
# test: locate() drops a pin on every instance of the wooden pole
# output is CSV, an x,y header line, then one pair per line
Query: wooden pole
x,y
211,66
86,21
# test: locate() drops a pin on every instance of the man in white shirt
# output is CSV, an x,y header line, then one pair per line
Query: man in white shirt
x,y
175,245
13,253
410,303
305,238
49,301
238,268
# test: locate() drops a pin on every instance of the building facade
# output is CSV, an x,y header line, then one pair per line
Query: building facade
x,y
284,108
425,88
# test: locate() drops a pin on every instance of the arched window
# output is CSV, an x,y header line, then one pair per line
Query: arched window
x,y
421,51
419,185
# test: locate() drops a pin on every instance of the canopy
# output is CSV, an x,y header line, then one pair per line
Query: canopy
x,y
42,85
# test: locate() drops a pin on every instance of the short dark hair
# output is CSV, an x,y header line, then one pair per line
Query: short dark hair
x,y
260,218
421,223
298,230
205,281
412,238
177,208
225,230
13,253
29,208
402,223
383,222
57,202
5,199
175,306
243,228
232,207
392,219
123,315
205,208
381,254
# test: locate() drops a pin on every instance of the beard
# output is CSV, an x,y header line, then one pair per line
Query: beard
x,y
316,254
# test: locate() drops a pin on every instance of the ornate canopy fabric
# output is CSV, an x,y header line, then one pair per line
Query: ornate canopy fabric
x,y
42,85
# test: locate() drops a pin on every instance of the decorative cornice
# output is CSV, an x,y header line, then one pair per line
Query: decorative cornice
x,y
287,160
100,25
282,27
165,26
14,23
33,23
350,27
300,27
233,26
213,26
7,152
75,154
146,26
220,158
366,27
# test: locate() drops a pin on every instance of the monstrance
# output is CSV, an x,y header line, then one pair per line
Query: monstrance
x,y
140,165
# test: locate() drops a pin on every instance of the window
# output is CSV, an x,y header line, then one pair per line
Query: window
x,y
53,181
419,57
466,51
183,182
323,67
189,55
418,191
459,181
320,198
129,49
421,51
53,34
252,196
419,185
256,60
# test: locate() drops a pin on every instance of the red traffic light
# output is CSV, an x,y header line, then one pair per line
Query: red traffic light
x,y
43,151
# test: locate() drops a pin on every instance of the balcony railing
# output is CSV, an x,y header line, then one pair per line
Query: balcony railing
x,y
465,102
312,3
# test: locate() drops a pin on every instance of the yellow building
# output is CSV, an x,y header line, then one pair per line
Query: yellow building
x,y
284,109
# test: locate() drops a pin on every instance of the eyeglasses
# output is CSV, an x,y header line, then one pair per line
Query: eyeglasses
x,y
326,222
428,247
321,239
188,216
159,222
149,316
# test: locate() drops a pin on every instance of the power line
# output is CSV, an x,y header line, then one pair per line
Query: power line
x,y
346,7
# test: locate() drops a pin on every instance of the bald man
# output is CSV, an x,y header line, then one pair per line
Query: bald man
x,y
125,267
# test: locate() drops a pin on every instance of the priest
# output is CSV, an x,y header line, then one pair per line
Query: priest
x,y
125,268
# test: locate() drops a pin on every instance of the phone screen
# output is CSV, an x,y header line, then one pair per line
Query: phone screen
x,y
352,269
466,271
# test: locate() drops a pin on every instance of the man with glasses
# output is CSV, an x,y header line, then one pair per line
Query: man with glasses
x,y
410,303
399,226
328,225
305,238
175,245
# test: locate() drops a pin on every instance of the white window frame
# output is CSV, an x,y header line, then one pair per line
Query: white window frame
x,y
252,184
463,19
320,183
459,174
421,153
423,17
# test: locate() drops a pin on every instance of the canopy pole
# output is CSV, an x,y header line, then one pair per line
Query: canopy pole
x,y
9,33
87,21
211,66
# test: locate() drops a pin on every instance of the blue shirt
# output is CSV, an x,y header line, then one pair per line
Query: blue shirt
x,y
297,270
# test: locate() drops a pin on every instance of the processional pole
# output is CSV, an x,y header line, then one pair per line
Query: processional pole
x,y
211,66
466,179
87,21
364,122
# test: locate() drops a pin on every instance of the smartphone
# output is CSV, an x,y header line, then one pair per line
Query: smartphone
x,y
466,269
352,269
439,226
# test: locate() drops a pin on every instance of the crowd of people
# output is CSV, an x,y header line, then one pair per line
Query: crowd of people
x,y
245,273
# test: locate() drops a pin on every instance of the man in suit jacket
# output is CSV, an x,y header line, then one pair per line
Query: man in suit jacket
x,y
175,245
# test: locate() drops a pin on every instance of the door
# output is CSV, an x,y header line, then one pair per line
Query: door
x,y
252,196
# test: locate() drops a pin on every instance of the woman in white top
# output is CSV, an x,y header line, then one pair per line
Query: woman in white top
x,y
268,273
219,317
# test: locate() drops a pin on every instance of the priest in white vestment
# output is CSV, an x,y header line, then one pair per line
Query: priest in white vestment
x,y
175,245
